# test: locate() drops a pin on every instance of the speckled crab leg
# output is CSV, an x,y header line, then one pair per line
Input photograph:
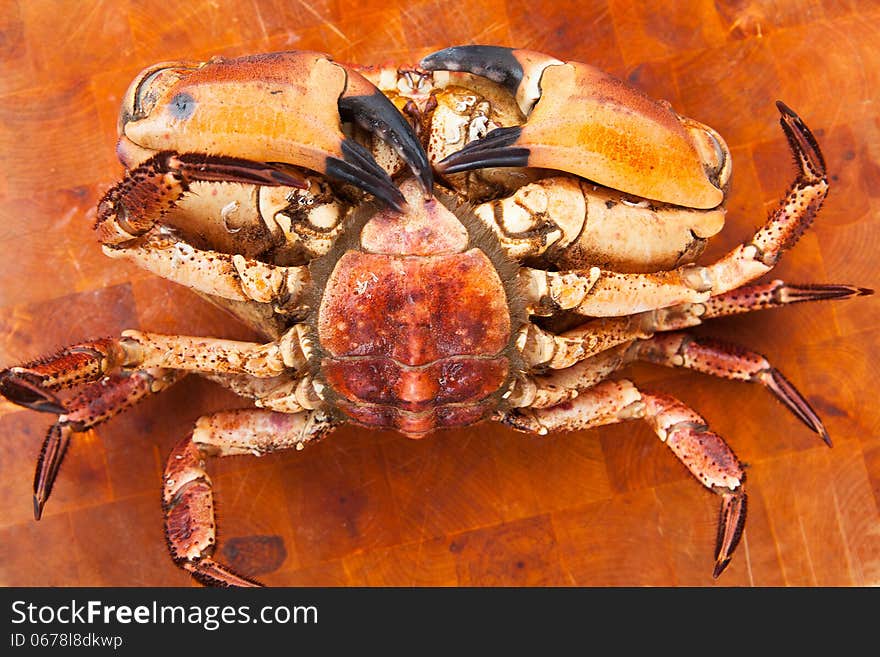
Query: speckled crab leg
x,y
702,452
678,349
92,404
543,349
761,296
727,361
33,384
227,276
559,386
188,492
600,293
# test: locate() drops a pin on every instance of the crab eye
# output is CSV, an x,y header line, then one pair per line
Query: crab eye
x,y
182,106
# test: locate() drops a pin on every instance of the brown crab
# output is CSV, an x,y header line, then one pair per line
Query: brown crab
x,y
559,248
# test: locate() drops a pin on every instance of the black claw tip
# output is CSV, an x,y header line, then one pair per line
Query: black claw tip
x,y
38,508
360,169
378,115
495,63
496,149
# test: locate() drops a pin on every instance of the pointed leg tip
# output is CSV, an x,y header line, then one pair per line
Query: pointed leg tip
x,y
51,457
785,109
730,528
786,393
215,574
842,291
802,142
720,566
38,507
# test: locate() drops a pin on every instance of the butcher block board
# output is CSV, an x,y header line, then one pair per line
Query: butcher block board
x,y
482,506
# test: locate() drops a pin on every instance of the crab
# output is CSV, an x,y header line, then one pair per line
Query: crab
x,y
556,245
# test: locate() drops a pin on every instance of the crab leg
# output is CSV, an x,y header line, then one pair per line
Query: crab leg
x,y
559,386
227,276
91,405
212,354
188,496
602,293
769,295
702,452
677,349
541,348
727,361
584,356
31,385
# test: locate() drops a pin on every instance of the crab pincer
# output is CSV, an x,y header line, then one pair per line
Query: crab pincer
x,y
277,108
584,121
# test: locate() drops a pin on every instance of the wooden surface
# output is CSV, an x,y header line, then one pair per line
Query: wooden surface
x,y
483,506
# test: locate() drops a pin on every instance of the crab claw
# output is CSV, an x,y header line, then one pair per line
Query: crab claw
x,y
364,104
588,123
282,107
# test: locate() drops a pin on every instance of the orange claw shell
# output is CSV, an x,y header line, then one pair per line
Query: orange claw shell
x,y
279,107
584,121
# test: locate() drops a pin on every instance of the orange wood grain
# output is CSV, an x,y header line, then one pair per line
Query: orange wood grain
x,y
482,506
